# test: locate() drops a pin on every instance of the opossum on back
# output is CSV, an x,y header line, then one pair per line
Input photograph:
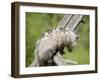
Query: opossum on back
x,y
51,43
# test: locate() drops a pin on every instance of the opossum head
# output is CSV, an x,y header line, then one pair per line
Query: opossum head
x,y
70,40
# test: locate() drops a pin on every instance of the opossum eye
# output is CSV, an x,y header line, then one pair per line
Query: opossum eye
x,y
77,37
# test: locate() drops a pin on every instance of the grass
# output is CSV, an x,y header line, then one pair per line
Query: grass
x,y
37,23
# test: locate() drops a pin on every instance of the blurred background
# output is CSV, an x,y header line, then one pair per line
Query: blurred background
x,y
37,23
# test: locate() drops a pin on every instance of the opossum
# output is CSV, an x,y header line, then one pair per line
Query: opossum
x,y
53,42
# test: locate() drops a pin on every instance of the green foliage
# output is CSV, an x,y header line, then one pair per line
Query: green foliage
x,y
37,23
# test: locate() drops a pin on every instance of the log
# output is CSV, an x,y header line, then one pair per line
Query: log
x,y
70,21
64,21
73,23
58,60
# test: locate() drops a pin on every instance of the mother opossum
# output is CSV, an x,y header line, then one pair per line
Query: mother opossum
x,y
53,42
